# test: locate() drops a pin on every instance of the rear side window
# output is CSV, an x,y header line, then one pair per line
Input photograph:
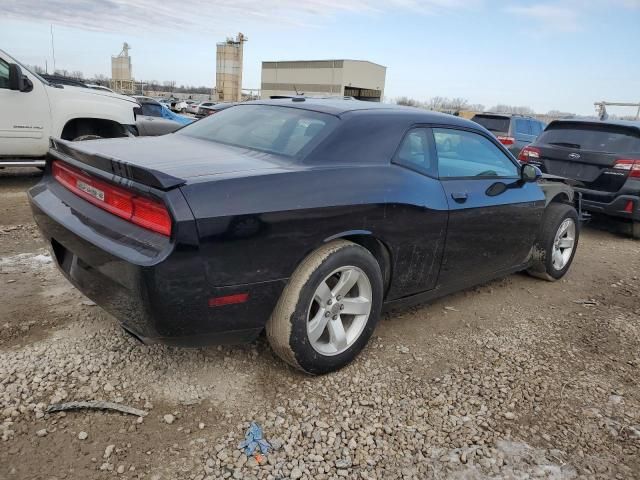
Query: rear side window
x,y
493,123
415,152
523,126
592,137
536,127
280,130
467,154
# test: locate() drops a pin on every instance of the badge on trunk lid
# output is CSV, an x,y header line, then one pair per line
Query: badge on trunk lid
x,y
93,191
574,156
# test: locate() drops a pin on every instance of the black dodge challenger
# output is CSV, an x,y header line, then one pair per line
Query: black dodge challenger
x,y
302,217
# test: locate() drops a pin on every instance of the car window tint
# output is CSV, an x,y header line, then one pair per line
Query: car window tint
x,y
595,137
467,154
4,74
493,123
535,128
151,109
414,151
268,128
522,126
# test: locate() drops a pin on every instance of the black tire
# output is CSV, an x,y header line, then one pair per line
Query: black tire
x,y
83,138
287,327
635,230
554,216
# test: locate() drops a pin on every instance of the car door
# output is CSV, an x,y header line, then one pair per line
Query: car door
x,y
421,225
152,123
25,117
493,216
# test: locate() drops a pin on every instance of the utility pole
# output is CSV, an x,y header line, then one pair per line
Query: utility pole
x,y
53,51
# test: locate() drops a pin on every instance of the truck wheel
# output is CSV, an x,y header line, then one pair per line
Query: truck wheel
x,y
329,308
82,138
556,242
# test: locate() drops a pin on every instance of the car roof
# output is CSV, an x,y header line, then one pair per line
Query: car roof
x,y
340,107
143,99
618,123
506,115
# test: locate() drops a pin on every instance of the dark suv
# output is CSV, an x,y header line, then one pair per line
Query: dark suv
x,y
602,156
514,131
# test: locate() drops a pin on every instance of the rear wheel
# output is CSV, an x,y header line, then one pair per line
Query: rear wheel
x,y
635,230
329,308
556,243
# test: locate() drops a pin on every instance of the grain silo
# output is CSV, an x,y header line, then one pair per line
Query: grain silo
x,y
121,78
229,69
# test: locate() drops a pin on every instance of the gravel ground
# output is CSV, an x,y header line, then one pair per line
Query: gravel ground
x,y
516,379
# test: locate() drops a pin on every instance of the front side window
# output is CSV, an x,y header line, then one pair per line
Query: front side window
x,y
151,109
4,74
415,153
272,129
468,154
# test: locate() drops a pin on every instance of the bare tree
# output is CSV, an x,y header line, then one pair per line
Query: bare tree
x,y
406,101
520,110
475,107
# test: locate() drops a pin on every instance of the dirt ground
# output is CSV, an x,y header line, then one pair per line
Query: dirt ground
x,y
519,378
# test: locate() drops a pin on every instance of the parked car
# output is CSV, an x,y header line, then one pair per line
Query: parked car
x,y
602,156
33,109
179,105
514,131
304,217
155,118
192,107
207,108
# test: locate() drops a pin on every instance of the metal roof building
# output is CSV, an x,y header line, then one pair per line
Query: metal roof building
x,y
355,78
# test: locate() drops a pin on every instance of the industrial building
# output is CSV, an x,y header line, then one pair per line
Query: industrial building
x,y
356,78
229,69
121,72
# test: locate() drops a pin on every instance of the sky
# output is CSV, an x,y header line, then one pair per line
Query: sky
x,y
548,55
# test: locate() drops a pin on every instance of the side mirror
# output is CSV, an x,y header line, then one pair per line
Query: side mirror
x,y
530,174
18,80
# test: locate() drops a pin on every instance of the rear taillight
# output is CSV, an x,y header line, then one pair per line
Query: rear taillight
x,y
528,153
632,166
143,211
506,140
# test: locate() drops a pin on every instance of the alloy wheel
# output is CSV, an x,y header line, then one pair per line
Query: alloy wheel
x,y
339,310
563,244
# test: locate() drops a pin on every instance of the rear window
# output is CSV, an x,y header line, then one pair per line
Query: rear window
x,y
280,130
493,123
592,137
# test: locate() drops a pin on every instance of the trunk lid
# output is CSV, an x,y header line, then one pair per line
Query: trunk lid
x,y
164,162
587,152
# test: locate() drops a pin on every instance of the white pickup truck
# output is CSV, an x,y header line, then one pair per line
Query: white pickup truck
x,y
32,110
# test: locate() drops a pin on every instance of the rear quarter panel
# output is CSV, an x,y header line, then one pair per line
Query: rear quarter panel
x,y
259,228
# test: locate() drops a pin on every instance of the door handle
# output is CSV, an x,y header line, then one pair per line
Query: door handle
x,y
459,197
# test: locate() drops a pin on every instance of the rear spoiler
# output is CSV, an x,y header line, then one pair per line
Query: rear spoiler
x,y
69,151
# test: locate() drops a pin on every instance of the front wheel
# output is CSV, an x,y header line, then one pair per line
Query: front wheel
x,y
556,242
329,308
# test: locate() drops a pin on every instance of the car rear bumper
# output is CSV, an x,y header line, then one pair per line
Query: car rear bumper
x,y
161,294
618,207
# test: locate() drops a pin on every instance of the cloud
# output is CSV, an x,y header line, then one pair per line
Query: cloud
x,y
568,15
119,15
563,18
